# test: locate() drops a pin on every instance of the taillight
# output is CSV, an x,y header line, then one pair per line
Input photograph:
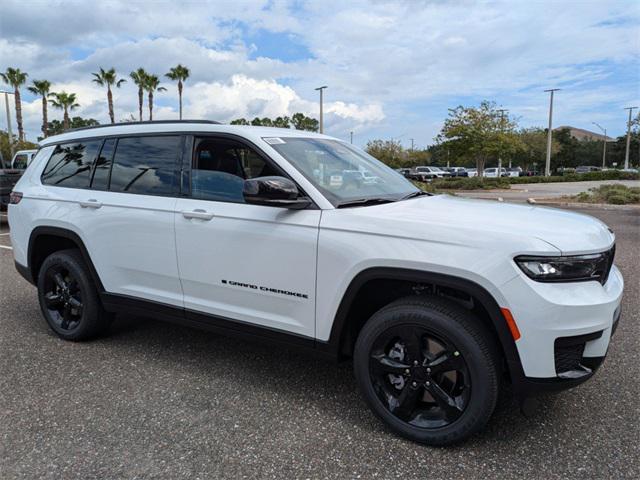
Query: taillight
x,y
15,197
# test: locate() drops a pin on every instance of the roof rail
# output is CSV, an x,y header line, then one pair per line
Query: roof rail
x,y
146,122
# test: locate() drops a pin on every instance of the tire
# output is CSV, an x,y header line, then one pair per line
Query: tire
x,y
451,393
69,298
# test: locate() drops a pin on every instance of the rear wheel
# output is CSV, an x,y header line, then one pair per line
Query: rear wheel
x,y
69,298
427,369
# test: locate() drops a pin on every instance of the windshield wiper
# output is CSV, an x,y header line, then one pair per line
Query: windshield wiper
x,y
363,202
419,193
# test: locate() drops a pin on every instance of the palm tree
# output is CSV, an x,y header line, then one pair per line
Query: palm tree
x,y
16,78
139,77
151,84
108,78
42,87
179,74
64,101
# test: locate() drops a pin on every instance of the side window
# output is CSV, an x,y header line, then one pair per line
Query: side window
x,y
20,161
146,165
70,165
103,165
220,167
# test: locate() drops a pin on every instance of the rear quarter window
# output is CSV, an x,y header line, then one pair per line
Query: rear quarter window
x,y
71,163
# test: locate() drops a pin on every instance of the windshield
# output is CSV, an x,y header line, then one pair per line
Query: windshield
x,y
342,172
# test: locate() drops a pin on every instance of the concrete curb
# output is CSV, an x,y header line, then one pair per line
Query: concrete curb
x,y
563,203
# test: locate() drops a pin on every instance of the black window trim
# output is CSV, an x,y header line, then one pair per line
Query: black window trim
x,y
187,155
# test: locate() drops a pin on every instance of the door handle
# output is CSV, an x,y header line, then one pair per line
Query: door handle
x,y
91,203
198,213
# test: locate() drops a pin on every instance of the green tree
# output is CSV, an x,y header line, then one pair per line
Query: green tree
x,y
6,153
55,127
16,78
65,102
139,77
151,85
479,134
178,74
240,121
301,122
42,88
533,148
108,78
389,152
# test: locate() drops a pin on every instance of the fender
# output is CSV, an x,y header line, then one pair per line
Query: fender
x,y
487,301
62,233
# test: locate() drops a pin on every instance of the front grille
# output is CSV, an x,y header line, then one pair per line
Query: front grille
x,y
568,352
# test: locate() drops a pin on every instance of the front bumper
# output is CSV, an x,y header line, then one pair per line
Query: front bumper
x,y
565,328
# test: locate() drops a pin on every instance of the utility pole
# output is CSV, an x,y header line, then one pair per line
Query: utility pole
x,y
604,148
351,137
321,89
547,168
411,144
626,154
502,112
10,138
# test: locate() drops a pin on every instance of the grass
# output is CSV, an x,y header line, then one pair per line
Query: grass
x,y
610,194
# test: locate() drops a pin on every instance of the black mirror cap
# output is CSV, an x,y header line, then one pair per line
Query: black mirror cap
x,y
273,191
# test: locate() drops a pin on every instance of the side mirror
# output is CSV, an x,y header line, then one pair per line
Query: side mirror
x,y
273,192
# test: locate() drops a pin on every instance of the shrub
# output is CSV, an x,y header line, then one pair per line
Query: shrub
x,y
615,194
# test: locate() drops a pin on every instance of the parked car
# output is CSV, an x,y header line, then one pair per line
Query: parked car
x,y
22,159
587,169
514,172
428,173
630,170
228,228
493,172
405,172
457,171
472,172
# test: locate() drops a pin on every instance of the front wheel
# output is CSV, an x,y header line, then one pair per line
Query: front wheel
x,y
428,369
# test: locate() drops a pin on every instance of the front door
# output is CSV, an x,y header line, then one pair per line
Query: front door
x,y
248,263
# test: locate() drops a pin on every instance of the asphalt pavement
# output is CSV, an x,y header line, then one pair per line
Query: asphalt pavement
x,y
154,400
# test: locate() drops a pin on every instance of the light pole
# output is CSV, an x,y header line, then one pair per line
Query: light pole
x,y
604,147
626,153
351,137
10,134
502,111
547,168
321,89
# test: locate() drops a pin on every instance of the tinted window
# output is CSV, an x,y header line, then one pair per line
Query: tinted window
x,y
70,165
145,165
20,162
103,165
220,167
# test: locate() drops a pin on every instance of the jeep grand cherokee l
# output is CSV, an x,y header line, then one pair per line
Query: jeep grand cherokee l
x,y
245,230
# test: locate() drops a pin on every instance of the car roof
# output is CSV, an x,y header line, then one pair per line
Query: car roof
x,y
25,151
132,128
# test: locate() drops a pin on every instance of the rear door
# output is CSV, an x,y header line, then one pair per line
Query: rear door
x,y
248,263
127,216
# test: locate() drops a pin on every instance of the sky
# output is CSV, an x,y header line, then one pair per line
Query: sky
x,y
393,68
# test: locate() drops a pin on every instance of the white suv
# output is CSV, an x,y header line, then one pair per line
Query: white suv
x,y
244,230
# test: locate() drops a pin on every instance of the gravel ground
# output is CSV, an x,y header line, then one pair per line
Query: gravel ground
x,y
155,400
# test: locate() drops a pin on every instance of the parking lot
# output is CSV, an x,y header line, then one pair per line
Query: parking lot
x,y
153,400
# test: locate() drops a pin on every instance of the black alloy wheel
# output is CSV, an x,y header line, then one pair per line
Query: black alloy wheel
x,y
63,297
420,378
68,297
428,368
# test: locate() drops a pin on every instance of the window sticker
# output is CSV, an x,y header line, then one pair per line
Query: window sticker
x,y
273,140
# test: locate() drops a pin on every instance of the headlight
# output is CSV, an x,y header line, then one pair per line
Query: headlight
x,y
576,268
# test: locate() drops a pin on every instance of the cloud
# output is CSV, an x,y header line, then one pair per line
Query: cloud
x,y
393,67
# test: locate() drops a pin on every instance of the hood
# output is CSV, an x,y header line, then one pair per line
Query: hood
x,y
445,218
